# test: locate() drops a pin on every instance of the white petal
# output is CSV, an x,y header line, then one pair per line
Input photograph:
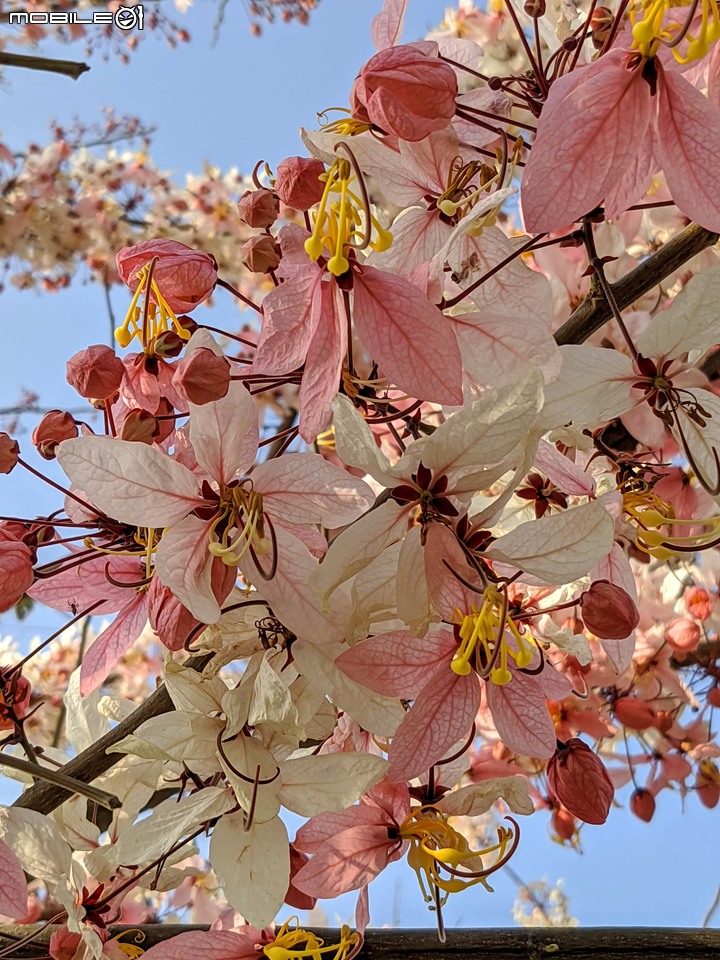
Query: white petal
x,y
132,482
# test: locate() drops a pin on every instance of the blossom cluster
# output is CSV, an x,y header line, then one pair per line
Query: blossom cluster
x,y
412,553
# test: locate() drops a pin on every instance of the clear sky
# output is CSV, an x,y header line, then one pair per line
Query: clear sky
x,y
231,105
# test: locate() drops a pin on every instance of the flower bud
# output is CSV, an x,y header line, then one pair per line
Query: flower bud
x,y
16,572
185,277
578,779
260,254
642,804
9,453
600,25
139,426
54,427
713,697
634,713
405,92
202,377
698,602
608,610
683,634
664,721
707,784
258,208
563,824
534,8
297,183
168,344
96,373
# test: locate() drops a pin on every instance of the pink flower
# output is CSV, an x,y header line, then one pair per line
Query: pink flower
x,y
184,276
606,128
406,91
352,847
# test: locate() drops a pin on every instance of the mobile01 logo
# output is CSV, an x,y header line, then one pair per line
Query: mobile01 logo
x,y
124,18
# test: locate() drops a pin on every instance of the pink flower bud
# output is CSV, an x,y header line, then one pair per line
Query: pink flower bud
x,y
297,183
260,254
707,784
664,721
9,453
642,804
139,426
578,779
406,92
184,277
54,427
713,697
698,602
683,634
608,611
96,373
633,713
563,823
16,572
258,208
202,377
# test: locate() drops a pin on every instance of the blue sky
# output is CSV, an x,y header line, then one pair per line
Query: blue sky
x,y
231,105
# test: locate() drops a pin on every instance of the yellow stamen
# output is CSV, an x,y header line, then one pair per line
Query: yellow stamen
x,y
659,513
300,944
434,844
488,627
159,315
243,513
130,949
339,225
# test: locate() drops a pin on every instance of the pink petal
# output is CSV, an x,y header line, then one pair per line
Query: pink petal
x,y
347,861
13,887
318,830
207,944
386,27
688,129
587,136
112,643
224,433
184,564
563,472
448,593
441,715
131,482
520,714
398,664
305,488
289,321
413,342
323,363
85,584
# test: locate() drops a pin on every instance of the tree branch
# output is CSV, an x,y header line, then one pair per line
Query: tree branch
x,y
594,312
95,761
528,943
67,68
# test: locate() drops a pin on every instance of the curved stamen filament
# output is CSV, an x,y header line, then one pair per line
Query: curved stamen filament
x,y
155,318
488,628
437,849
300,944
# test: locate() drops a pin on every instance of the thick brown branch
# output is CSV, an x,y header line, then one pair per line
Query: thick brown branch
x,y
95,761
595,311
67,68
530,943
